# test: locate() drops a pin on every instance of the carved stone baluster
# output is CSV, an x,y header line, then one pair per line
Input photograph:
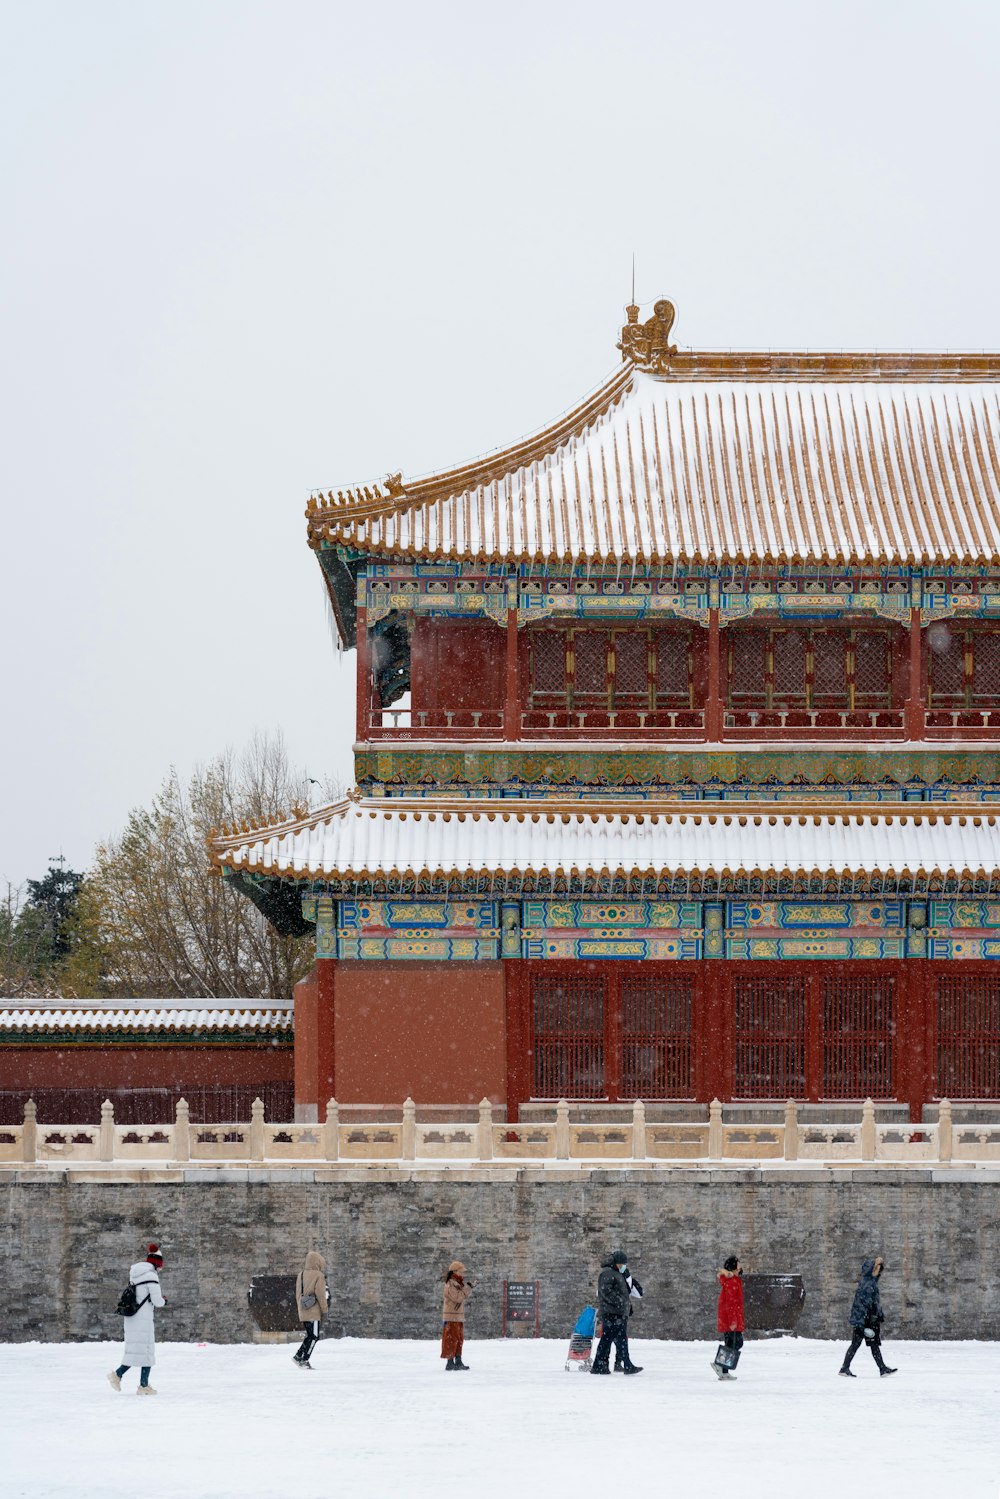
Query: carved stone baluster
x,y
257,1130
945,1131
638,1130
408,1147
485,1130
868,1130
791,1131
106,1141
29,1132
562,1130
715,1130
182,1131
331,1131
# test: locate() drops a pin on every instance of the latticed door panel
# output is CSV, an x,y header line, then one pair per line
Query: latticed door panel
x,y
858,1034
946,665
657,1039
568,1020
788,655
829,687
632,669
747,668
590,653
968,1036
872,669
548,667
673,668
769,1035
986,668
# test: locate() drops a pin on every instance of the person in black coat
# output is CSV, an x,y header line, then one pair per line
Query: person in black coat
x,y
867,1317
613,1305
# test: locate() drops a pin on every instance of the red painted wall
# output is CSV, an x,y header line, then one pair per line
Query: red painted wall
x,y
457,665
93,1065
432,1031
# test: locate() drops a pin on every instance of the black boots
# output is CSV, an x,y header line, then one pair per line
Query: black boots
x,y
848,1373
885,1370
449,1365
458,1363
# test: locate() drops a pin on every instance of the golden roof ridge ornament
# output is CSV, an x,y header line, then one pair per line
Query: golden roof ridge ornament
x,y
648,344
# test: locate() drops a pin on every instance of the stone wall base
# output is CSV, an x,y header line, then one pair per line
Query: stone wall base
x,y
65,1246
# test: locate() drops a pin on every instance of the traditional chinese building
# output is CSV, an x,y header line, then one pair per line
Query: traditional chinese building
x,y
678,749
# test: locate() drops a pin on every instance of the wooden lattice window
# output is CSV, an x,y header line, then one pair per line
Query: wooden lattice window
x,y
548,663
590,673
657,1042
634,668
968,1035
829,673
769,1031
631,688
794,668
985,668
747,667
568,1015
872,669
674,685
946,666
788,656
858,1020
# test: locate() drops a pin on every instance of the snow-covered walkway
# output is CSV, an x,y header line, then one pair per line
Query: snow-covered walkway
x,y
382,1419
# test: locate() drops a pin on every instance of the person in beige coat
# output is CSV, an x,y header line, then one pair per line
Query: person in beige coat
x,y
313,1304
457,1291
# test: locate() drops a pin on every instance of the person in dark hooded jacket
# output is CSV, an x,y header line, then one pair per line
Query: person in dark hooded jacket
x,y
613,1296
867,1318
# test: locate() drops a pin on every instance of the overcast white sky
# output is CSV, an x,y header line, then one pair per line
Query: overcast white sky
x,y
251,248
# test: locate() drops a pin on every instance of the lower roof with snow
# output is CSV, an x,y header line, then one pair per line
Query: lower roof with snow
x,y
203,1017
365,839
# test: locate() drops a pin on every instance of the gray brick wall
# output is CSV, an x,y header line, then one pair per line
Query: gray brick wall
x,y
65,1246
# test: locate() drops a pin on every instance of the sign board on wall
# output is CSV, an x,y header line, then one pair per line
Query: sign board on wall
x,y
520,1308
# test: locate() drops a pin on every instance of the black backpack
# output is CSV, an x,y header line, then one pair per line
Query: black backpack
x,y
128,1301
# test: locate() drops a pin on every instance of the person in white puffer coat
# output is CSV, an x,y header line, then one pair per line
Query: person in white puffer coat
x,y
140,1336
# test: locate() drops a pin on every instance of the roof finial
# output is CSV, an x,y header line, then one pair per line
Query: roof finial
x,y
648,344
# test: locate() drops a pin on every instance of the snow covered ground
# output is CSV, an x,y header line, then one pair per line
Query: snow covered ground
x,y
384,1419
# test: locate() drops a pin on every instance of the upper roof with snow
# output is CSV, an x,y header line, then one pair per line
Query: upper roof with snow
x,y
880,459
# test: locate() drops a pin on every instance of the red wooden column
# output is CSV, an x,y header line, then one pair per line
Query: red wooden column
x,y
364,679
915,695
713,698
512,688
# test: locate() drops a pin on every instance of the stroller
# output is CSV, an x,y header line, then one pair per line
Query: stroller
x,y
581,1343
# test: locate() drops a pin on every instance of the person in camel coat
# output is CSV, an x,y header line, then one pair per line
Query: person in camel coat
x,y
457,1291
313,1304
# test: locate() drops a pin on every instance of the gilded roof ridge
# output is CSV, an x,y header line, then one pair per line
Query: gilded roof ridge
x,y
394,495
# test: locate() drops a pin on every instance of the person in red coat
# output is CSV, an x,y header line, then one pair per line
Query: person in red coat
x,y
730,1319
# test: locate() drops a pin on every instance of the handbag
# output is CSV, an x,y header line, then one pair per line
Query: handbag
x,y
727,1358
305,1301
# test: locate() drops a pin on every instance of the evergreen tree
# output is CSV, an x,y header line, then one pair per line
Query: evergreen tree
x,y
54,900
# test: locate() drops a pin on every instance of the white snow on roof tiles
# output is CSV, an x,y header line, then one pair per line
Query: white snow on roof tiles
x,y
355,838
789,470
144,1015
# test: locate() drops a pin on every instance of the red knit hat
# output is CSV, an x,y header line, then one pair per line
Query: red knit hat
x,y
154,1257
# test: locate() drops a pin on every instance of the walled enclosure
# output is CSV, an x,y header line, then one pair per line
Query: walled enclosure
x,y
65,1246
